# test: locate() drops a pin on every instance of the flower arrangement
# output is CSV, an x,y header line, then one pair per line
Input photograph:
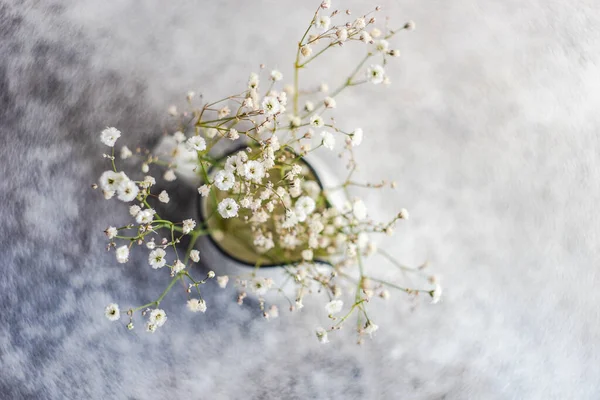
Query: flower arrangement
x,y
264,204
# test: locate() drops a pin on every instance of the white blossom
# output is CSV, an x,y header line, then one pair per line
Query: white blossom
x,y
179,137
169,175
375,74
328,140
111,232
178,267
370,328
228,208
195,255
122,254
128,191
196,305
359,23
307,255
125,152
112,312
359,210
109,136
163,197
309,106
316,121
145,216
334,307
157,317
254,171
224,180
271,105
437,294
323,22
403,214
253,81
188,226
381,45
322,335
204,190
210,132
325,4
196,143
134,210
329,102
151,328
342,34
156,259
222,281
356,137
111,181
305,205
276,75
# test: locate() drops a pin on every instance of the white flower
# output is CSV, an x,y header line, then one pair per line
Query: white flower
x,y
359,209
156,259
328,140
178,267
195,255
222,281
276,75
109,136
188,226
403,214
145,168
326,4
253,81
151,328
157,317
375,74
151,245
134,210
211,132
190,95
305,205
322,335
145,216
112,312
329,102
204,190
254,171
110,180
291,219
224,180
334,307
211,274
370,328
196,143
233,134
195,305
316,121
436,294
311,188
148,181
306,50
342,34
122,254
309,106
111,232
356,137
261,285
128,191
271,105
365,37
163,197
169,175
323,22
360,23
307,255
382,45
228,208
125,152
179,137
295,121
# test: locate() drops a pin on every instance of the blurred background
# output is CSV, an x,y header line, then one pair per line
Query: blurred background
x,y
490,128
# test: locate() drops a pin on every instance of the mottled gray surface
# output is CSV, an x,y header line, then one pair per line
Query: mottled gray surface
x,y
491,127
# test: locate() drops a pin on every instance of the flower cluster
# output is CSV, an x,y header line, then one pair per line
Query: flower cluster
x,y
265,195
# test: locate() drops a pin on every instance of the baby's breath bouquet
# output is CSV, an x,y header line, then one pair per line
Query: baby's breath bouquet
x,y
264,205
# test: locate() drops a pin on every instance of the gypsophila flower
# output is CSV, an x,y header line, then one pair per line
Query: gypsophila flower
x,y
111,232
375,74
276,75
322,335
222,281
253,81
436,294
326,4
359,210
305,205
179,137
111,181
151,328
356,137
224,180
169,175
316,121
271,105
122,254
128,191
196,143
163,197
112,312
204,190
370,328
151,245
254,171
109,136
306,50
329,102
342,34
211,274
328,140
233,134
125,153
309,106
359,23
157,317
323,22
188,226
228,208
365,37
195,255
178,267
211,132
156,259
381,45
307,255
145,216
403,214
196,305
334,307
